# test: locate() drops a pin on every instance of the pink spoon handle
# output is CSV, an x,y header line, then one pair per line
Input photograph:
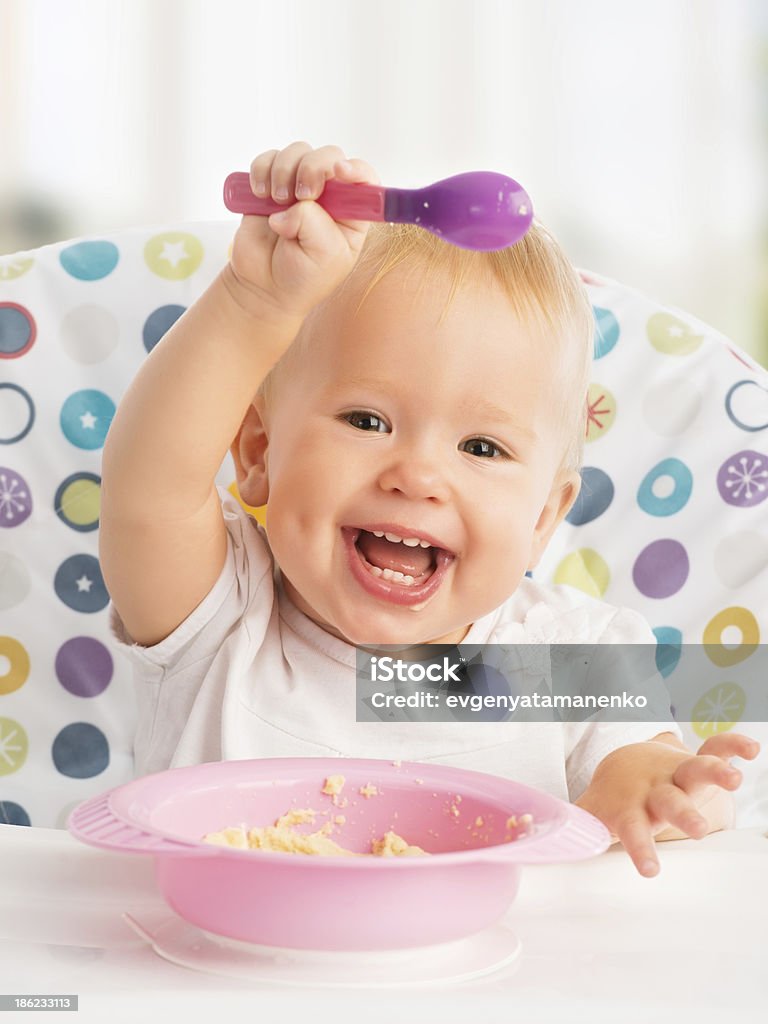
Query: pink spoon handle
x,y
342,200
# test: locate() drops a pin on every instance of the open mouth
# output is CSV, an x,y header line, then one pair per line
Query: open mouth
x,y
402,569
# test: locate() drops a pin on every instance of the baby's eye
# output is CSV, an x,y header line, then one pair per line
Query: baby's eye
x,y
483,448
366,421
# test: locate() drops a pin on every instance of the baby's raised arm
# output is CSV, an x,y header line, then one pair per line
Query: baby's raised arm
x,y
162,538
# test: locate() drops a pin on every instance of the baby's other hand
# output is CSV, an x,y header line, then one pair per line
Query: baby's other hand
x,y
662,789
286,264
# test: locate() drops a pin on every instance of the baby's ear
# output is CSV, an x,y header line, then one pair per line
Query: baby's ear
x,y
249,453
565,490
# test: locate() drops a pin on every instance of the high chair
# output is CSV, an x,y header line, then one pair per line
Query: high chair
x,y
671,519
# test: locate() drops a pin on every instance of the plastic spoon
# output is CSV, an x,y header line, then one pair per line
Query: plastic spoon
x,y
475,210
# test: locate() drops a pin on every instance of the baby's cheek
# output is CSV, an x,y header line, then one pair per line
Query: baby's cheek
x,y
483,587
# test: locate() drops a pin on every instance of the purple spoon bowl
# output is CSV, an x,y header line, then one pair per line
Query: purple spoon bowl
x,y
479,210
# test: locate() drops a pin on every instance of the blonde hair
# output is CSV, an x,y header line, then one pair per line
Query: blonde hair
x,y
542,286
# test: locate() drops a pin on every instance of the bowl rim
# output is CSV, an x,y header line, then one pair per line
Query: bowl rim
x,y
483,784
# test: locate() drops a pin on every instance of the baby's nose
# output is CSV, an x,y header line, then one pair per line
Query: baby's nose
x,y
416,475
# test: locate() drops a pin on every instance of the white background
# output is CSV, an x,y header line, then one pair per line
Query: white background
x,y
638,128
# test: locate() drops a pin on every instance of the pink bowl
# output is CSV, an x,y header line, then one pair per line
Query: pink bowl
x,y
340,903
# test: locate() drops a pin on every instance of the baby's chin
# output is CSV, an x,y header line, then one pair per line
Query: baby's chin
x,y
399,637
373,630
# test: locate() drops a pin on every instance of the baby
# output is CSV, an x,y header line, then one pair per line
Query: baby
x,y
414,414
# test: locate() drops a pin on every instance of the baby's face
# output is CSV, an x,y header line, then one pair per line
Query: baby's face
x,y
439,435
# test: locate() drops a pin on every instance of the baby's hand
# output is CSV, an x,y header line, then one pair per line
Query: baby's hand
x,y
287,266
639,790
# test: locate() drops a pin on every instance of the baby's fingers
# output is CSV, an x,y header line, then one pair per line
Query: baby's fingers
x,y
730,744
313,170
356,170
695,773
303,173
637,839
271,173
319,165
670,805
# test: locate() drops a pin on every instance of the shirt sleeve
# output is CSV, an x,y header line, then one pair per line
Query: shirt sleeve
x,y
246,578
587,743
169,677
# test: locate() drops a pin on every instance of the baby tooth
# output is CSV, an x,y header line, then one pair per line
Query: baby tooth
x,y
375,570
394,538
408,580
387,574
398,576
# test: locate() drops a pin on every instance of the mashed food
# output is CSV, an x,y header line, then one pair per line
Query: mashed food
x,y
282,837
393,845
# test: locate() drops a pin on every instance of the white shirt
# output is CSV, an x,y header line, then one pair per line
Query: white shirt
x,y
249,675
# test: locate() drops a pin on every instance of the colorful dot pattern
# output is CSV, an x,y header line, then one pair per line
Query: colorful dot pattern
x,y
76,322
671,519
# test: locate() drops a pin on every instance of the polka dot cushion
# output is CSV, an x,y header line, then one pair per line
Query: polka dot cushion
x,y
671,519
76,321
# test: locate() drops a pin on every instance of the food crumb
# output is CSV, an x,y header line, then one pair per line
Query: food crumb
x,y
333,785
340,819
524,823
297,816
368,790
419,782
235,836
479,821
397,764
393,845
